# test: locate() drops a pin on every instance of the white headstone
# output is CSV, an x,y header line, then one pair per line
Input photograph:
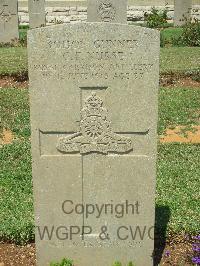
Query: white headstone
x,y
8,21
94,93
182,12
37,15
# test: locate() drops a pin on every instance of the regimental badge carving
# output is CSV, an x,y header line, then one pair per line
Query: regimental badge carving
x,y
107,11
95,133
5,15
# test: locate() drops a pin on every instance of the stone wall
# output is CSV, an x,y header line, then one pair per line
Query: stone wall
x,y
76,11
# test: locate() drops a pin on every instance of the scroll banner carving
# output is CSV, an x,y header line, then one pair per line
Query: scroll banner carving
x,y
95,133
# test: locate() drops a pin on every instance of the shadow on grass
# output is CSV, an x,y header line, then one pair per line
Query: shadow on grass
x,y
162,219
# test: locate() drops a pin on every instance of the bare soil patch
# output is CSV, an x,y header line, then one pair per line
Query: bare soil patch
x,y
13,82
178,81
6,137
13,255
181,134
177,251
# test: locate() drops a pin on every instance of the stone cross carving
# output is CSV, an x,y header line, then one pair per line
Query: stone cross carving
x,y
95,134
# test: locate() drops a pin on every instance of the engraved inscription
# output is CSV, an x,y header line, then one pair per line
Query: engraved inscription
x,y
106,59
107,11
95,133
90,70
5,14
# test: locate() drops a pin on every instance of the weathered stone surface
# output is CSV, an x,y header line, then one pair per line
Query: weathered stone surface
x,y
182,11
113,11
37,16
93,91
8,21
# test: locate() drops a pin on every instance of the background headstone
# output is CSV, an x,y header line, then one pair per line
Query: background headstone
x,y
113,11
8,21
93,92
37,15
182,11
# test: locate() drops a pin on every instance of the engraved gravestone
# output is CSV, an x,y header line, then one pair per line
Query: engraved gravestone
x,y
93,92
182,11
8,21
37,16
113,11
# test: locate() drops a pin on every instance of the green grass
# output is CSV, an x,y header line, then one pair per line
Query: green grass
x,y
64,262
16,203
178,186
14,111
171,32
23,34
177,179
168,34
13,60
179,59
178,106
23,29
